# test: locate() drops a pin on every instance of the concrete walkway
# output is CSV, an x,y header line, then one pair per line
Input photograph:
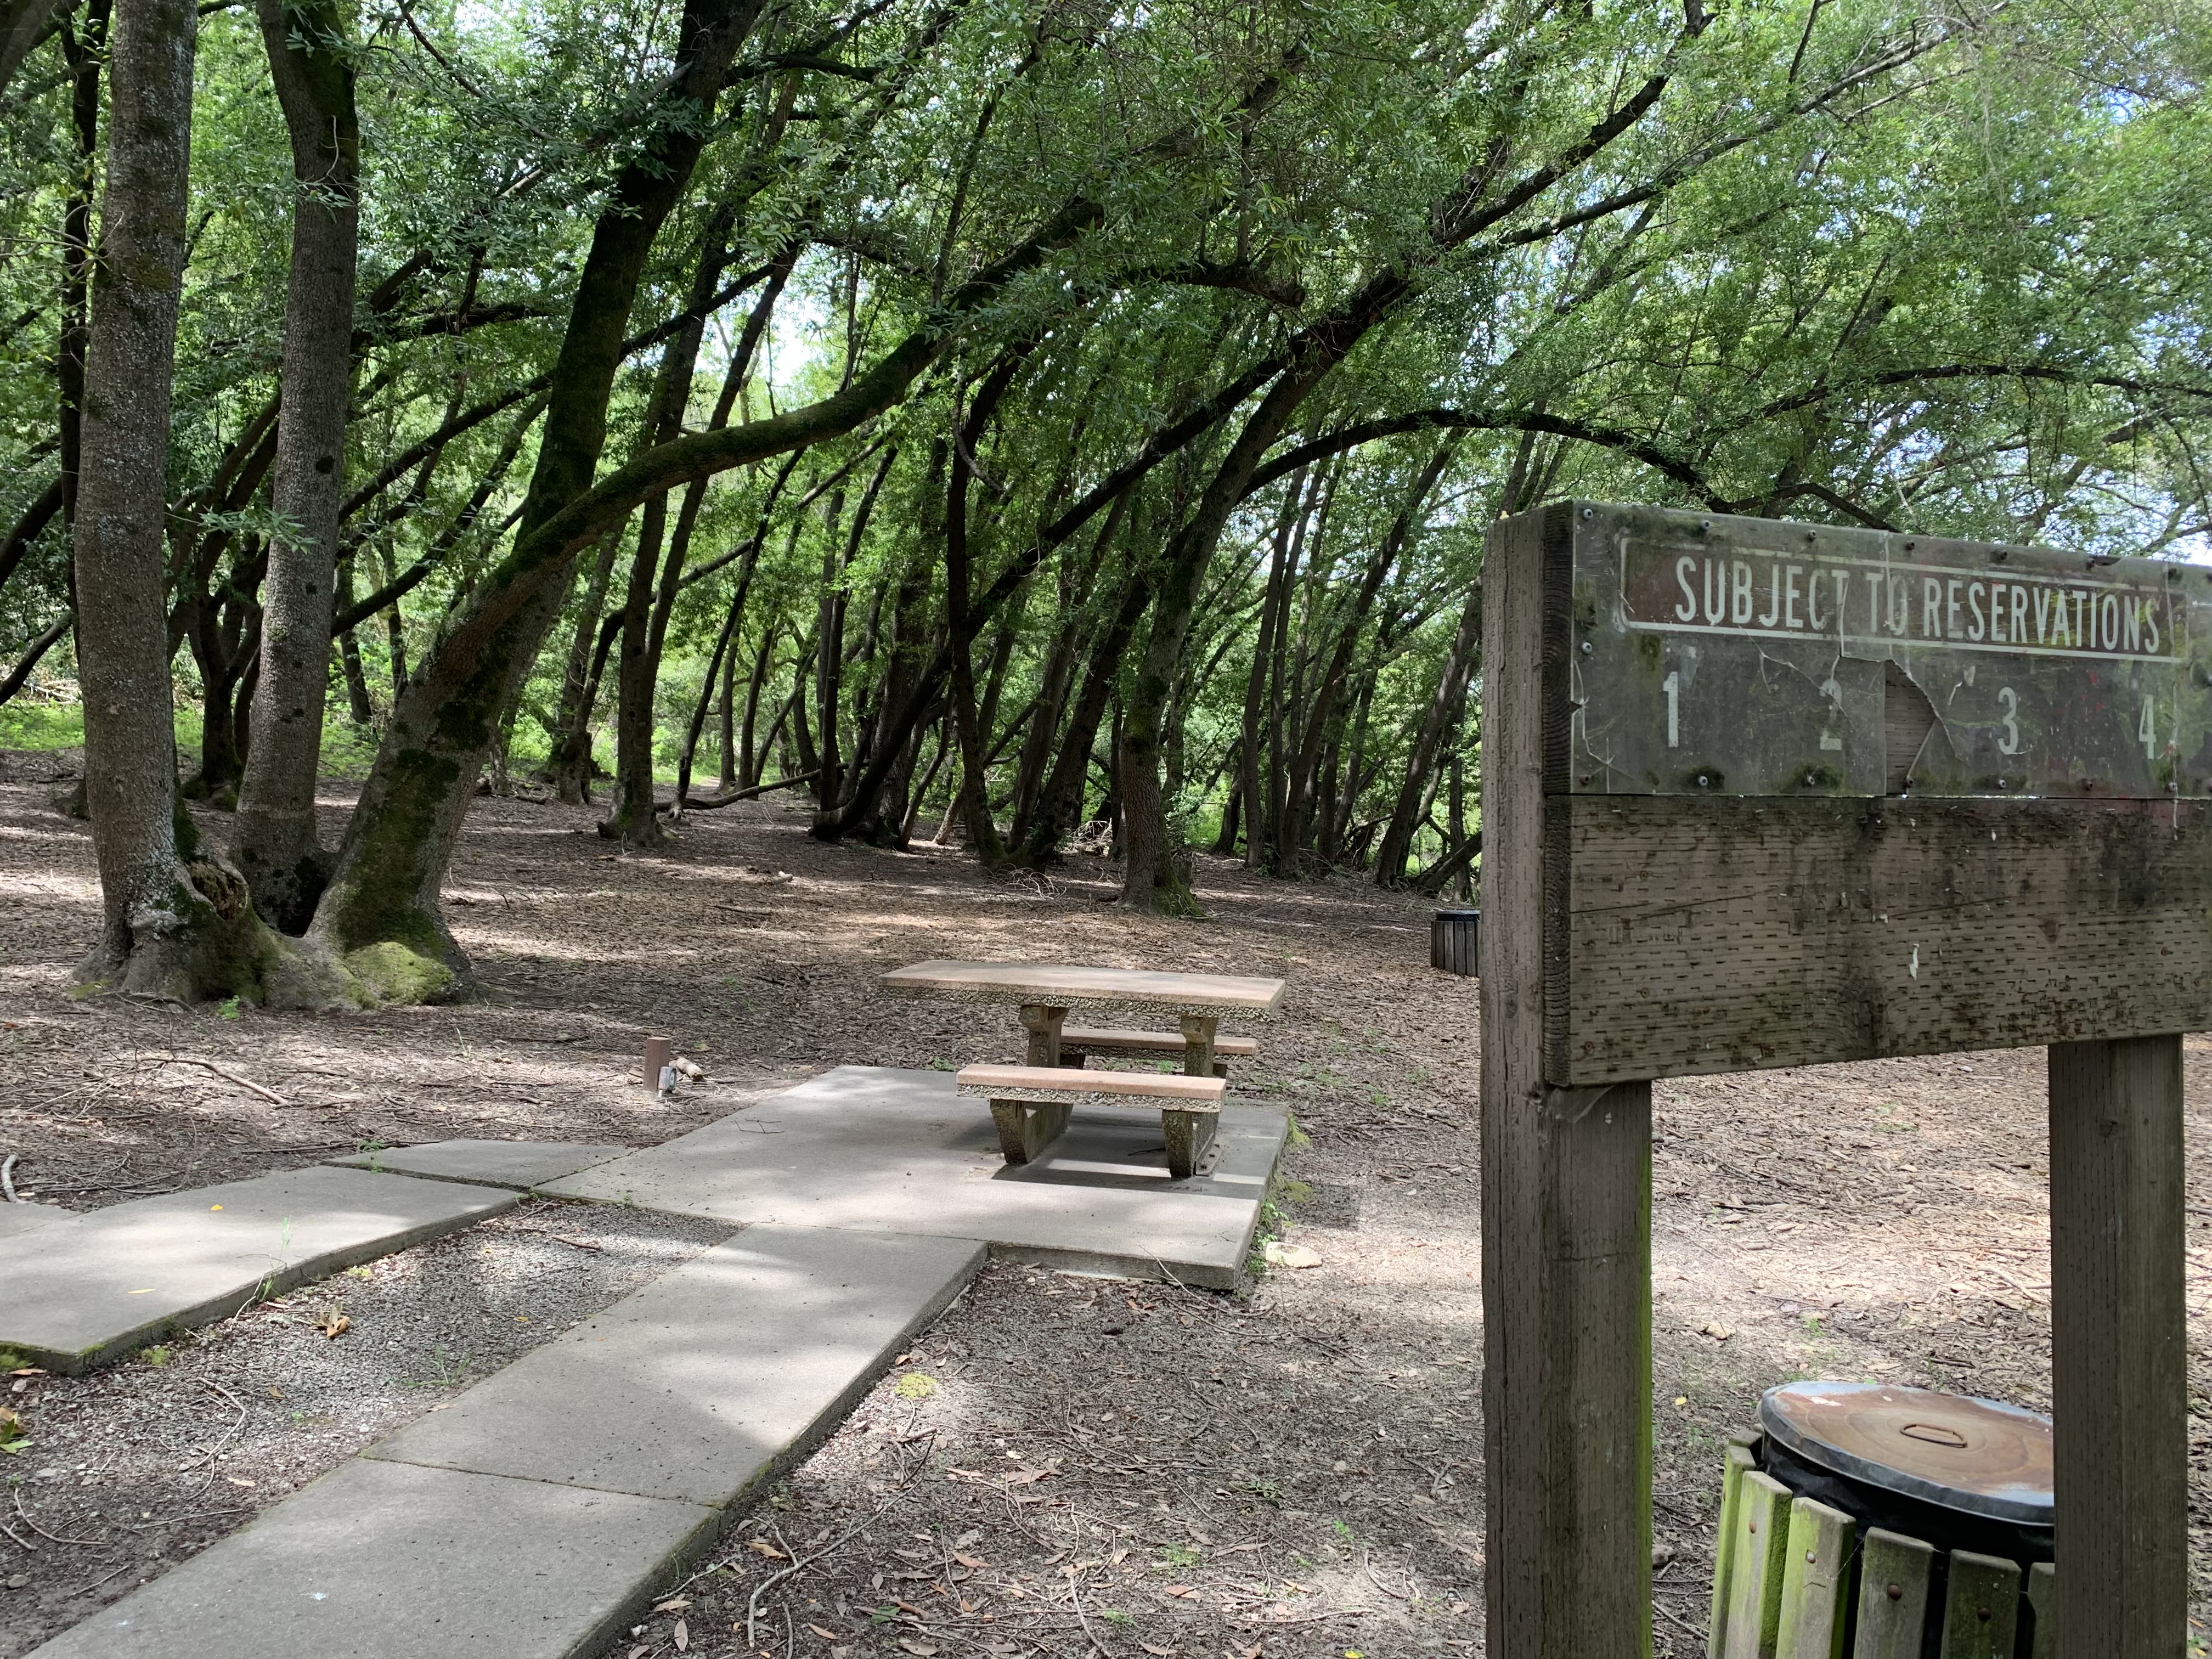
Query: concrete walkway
x,y
521,1164
82,1290
534,1517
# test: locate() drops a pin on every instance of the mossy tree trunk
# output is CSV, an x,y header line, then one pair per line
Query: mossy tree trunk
x,y
384,892
282,859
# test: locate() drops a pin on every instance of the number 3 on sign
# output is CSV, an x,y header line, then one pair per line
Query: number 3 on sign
x,y
1672,685
2008,700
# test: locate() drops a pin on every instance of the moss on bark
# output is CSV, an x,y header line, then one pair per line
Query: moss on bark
x,y
199,939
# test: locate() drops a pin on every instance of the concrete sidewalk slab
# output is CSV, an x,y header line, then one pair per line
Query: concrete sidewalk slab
x,y
520,1164
710,1381
873,1149
22,1216
394,1561
96,1286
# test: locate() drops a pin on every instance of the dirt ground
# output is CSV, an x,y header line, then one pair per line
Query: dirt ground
x,y
1061,1465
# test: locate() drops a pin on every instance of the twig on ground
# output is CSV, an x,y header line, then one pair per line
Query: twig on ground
x,y
98,1582
1082,1618
52,1537
752,1602
1676,1617
229,1434
17,1540
225,1072
8,1176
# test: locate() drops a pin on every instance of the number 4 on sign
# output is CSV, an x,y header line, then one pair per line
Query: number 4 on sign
x,y
2147,729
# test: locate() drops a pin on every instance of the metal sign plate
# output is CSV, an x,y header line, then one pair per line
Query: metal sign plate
x,y
1719,655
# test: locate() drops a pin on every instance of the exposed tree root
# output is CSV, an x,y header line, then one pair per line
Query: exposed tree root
x,y
201,941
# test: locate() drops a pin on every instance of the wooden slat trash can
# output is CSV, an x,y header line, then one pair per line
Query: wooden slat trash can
x,y
1452,937
1864,1521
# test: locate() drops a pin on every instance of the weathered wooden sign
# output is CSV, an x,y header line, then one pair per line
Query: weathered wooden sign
x,y
1727,656
1822,795
1758,793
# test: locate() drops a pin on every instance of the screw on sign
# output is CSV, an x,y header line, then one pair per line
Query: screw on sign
x,y
1790,794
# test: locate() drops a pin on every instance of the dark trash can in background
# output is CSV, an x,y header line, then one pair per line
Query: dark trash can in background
x,y
1452,936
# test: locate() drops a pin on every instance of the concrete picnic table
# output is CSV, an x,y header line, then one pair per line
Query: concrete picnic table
x,y
1045,991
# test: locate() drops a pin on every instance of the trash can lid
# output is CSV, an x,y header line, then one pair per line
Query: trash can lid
x,y
1979,1457
1459,915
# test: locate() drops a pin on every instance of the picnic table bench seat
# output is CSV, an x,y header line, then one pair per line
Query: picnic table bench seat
x,y
1030,1105
1077,1043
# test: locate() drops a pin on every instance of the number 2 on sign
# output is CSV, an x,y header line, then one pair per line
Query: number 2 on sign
x,y
1672,685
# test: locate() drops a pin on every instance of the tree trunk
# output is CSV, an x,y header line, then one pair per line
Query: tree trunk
x,y
359,708
384,899
726,778
1059,805
764,665
1258,822
569,768
1307,791
153,915
634,821
922,791
171,927
278,851
21,24
85,50
830,661
1397,845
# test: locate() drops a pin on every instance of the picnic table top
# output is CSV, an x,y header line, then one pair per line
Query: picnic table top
x,y
1059,984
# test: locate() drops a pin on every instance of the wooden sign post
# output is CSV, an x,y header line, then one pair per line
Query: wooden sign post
x,y
1760,794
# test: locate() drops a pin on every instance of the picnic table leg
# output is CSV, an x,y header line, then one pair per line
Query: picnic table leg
x,y
1189,1137
1026,1128
1042,1022
1198,1044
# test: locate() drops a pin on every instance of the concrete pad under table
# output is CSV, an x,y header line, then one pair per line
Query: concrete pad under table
x,y
393,1561
871,1149
520,1164
710,1381
82,1291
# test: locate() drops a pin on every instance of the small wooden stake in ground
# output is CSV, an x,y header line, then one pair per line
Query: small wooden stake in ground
x,y
658,1053
2120,1383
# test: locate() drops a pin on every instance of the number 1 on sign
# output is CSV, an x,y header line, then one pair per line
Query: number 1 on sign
x,y
1672,685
